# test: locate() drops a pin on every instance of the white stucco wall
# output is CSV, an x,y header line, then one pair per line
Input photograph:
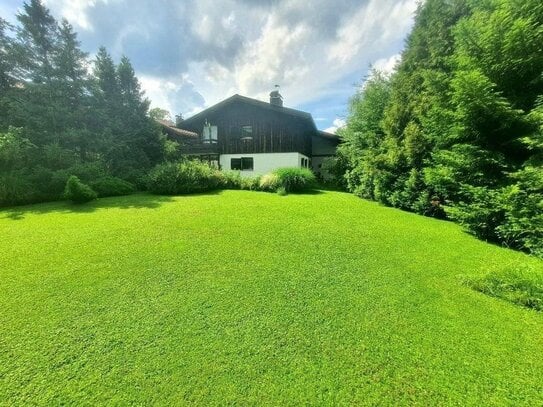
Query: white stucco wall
x,y
264,163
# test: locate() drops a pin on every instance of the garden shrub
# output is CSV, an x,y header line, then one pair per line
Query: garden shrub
x,y
230,179
480,213
511,215
269,182
185,177
47,184
112,186
78,192
250,183
15,189
333,171
295,179
88,171
522,227
519,284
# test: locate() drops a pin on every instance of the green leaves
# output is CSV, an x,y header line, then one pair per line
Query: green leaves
x,y
69,116
461,120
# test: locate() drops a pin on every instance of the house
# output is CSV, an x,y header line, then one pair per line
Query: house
x,y
254,137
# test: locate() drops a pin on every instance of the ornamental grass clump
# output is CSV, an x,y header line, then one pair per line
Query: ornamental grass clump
x,y
295,179
519,284
185,177
269,182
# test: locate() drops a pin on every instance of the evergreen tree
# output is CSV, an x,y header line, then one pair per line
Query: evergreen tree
x,y
71,83
7,72
462,124
132,98
7,63
107,90
35,50
38,36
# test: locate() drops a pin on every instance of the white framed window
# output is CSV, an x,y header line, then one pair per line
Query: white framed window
x,y
209,134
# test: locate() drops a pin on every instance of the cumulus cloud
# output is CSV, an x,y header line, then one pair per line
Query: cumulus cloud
x,y
177,95
194,53
387,65
337,124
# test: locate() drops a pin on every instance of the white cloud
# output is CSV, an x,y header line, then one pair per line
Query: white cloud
x,y
337,124
176,95
307,67
374,26
75,11
315,53
387,65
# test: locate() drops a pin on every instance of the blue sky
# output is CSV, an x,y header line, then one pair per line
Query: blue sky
x,y
190,54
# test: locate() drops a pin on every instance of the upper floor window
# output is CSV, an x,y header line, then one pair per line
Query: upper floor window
x,y
246,133
209,134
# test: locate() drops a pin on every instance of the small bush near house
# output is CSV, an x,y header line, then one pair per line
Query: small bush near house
x,y
231,180
250,183
333,171
112,186
77,192
185,177
269,182
521,285
295,179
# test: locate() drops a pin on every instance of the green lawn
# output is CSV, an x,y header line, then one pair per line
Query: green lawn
x,y
252,298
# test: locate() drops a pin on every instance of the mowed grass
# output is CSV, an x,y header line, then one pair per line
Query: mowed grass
x,y
252,298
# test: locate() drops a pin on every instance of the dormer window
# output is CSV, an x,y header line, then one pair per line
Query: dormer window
x,y
209,134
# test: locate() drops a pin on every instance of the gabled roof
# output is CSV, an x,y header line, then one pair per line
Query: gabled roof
x,y
254,102
170,128
325,134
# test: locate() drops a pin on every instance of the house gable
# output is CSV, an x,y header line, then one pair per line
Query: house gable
x,y
247,125
254,136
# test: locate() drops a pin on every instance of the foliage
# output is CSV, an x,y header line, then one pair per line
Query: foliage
x,y
158,113
519,284
15,189
231,179
281,191
333,172
294,179
185,177
269,182
58,115
460,120
77,192
250,183
111,186
14,150
258,299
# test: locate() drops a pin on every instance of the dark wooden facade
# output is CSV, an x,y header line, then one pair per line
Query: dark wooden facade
x,y
274,129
